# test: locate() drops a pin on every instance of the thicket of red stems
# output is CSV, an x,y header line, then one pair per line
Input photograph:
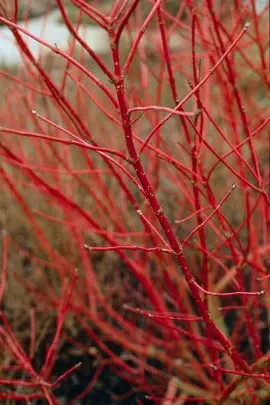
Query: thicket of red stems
x,y
152,165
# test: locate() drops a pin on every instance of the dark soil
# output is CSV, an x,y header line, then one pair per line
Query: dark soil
x,y
110,389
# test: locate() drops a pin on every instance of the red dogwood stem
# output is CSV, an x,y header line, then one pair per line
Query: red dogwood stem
x,y
136,162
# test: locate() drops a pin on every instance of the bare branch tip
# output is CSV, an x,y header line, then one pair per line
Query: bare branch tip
x,y
262,292
213,366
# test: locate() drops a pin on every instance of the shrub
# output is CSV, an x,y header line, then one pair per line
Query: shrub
x,y
147,171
